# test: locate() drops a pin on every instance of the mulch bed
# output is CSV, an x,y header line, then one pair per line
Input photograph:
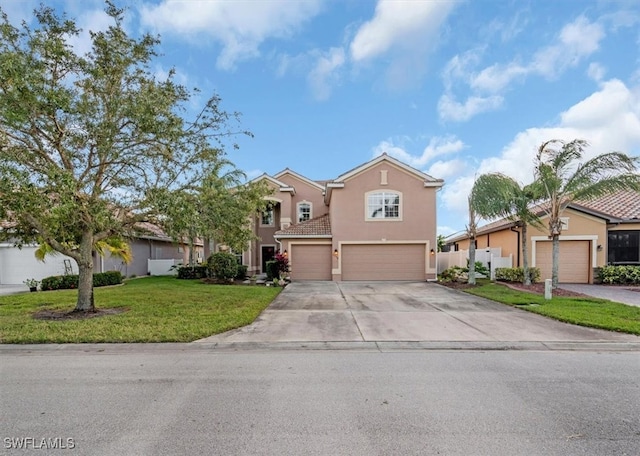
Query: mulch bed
x,y
65,315
537,288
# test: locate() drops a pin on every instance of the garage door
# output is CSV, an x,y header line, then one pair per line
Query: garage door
x,y
383,262
310,262
17,265
574,261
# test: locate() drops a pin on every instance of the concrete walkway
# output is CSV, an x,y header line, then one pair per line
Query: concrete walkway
x,y
617,293
400,312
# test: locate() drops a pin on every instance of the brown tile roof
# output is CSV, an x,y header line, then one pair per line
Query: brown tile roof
x,y
622,205
318,226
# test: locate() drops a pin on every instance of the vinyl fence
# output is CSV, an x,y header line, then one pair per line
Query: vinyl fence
x,y
492,258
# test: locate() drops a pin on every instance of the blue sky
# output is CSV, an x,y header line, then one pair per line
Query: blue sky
x,y
453,88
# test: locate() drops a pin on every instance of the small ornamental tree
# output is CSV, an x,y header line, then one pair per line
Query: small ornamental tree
x,y
91,145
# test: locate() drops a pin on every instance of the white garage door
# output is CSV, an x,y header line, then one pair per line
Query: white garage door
x,y
17,265
574,261
383,262
311,262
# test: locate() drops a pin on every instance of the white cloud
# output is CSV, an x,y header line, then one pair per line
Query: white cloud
x,y
596,71
239,28
576,41
608,119
398,23
445,169
438,146
325,72
451,109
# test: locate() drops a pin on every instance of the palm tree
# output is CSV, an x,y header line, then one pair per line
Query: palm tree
x,y
116,246
496,195
562,178
472,230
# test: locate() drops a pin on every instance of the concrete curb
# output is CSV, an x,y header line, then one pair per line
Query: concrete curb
x,y
380,347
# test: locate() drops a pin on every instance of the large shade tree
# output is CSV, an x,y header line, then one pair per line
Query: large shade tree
x,y
563,176
496,195
87,141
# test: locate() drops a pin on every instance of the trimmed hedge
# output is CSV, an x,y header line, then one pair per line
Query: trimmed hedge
x,y
517,274
242,272
223,265
70,281
623,275
193,272
272,270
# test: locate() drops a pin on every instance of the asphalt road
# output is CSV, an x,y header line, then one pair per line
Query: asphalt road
x,y
186,399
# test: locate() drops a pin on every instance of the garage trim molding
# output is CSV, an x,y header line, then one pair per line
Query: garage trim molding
x,y
590,237
426,243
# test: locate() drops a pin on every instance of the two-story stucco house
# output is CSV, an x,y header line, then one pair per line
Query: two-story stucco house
x,y
374,222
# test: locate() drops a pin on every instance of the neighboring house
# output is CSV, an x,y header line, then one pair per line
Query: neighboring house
x,y
17,265
603,231
375,222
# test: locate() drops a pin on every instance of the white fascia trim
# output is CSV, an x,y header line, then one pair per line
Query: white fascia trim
x,y
434,184
300,177
575,237
335,184
303,236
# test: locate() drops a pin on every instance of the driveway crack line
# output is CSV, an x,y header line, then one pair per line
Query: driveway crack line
x,y
464,322
350,311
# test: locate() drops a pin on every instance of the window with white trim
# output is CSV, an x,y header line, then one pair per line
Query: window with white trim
x,y
267,218
383,205
304,211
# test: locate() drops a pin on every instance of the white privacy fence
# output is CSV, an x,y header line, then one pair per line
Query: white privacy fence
x,y
162,267
491,258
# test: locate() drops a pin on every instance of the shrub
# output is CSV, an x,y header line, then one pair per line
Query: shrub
x,y
517,274
272,269
223,265
626,275
242,272
193,272
70,281
452,274
480,268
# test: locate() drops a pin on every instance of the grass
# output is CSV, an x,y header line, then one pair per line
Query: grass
x,y
591,312
159,309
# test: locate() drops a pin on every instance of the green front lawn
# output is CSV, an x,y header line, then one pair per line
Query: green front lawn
x,y
592,312
158,309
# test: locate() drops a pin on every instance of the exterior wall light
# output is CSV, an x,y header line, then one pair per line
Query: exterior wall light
x,y
433,252
335,253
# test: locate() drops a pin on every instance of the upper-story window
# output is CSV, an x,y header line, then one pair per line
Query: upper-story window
x,y
267,218
304,211
384,205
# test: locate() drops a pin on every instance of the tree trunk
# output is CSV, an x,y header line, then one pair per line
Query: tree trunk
x,y
85,278
555,260
472,261
525,256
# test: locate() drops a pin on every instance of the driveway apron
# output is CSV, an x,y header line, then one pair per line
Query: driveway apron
x,y
400,311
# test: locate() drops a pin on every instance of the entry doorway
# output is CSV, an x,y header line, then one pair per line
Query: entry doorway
x,y
268,254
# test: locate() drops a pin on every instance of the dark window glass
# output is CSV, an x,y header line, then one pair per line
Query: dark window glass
x,y
624,247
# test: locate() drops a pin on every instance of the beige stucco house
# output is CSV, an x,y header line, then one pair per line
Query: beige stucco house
x,y
374,222
604,231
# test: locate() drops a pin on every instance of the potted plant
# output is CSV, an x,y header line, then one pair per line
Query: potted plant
x,y
32,284
253,279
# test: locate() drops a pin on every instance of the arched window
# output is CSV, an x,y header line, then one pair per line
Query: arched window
x,y
304,211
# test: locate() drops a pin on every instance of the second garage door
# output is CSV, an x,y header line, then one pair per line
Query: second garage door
x,y
574,261
311,262
383,262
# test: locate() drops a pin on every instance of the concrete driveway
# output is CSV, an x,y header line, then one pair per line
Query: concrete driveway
x,y
400,311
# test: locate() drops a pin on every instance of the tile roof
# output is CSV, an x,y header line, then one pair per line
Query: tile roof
x,y
318,226
619,206
622,205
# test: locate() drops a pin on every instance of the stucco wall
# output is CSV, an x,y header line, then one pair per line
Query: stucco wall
x,y
307,193
418,209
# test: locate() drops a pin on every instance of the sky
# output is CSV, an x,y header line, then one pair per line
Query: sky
x,y
453,88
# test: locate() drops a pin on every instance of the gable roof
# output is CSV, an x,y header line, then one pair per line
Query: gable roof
x,y
281,185
429,181
316,227
299,177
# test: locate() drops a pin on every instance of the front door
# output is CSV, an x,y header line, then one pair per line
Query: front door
x,y
268,253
